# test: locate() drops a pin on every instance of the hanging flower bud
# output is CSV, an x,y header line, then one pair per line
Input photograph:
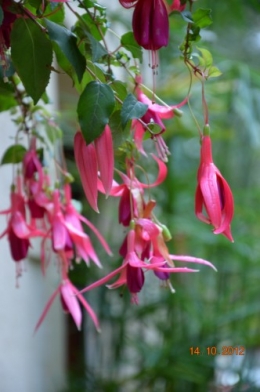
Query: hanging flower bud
x,y
213,193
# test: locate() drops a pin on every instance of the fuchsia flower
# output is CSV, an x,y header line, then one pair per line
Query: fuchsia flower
x,y
131,272
89,158
150,24
154,115
213,193
67,232
132,189
69,296
18,231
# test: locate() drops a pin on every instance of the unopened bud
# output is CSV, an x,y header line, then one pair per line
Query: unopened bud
x,y
166,233
178,112
206,130
68,178
132,224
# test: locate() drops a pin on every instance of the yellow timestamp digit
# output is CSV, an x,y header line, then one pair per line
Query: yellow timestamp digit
x,y
194,351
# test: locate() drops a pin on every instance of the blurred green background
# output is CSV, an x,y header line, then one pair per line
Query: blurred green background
x,y
148,347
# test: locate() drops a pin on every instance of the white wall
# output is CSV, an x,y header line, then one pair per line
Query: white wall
x,y
28,362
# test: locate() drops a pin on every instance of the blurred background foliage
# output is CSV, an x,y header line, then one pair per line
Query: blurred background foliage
x,y
147,347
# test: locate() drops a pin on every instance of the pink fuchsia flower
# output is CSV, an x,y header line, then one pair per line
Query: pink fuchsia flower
x,y
89,158
31,163
73,219
177,6
67,233
163,273
131,200
18,231
70,297
213,193
154,115
131,272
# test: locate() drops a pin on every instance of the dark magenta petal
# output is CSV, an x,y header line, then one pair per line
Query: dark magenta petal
x,y
19,246
151,24
134,278
125,208
123,248
37,212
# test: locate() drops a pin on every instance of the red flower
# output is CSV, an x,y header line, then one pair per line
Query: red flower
x,y
150,24
213,193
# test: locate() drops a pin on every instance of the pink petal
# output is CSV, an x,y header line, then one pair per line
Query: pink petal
x,y
19,225
139,132
176,270
105,158
209,188
121,280
87,307
97,233
128,3
161,174
59,233
103,280
86,160
71,302
148,226
46,309
191,259
199,206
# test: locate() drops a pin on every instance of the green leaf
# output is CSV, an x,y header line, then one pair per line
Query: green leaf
x,y
90,24
128,42
202,17
32,56
206,59
214,72
118,133
13,154
7,100
95,106
97,50
120,91
34,4
57,15
67,42
131,109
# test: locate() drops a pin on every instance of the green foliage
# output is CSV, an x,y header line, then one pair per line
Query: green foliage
x,y
67,43
131,109
31,56
14,154
95,106
129,43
